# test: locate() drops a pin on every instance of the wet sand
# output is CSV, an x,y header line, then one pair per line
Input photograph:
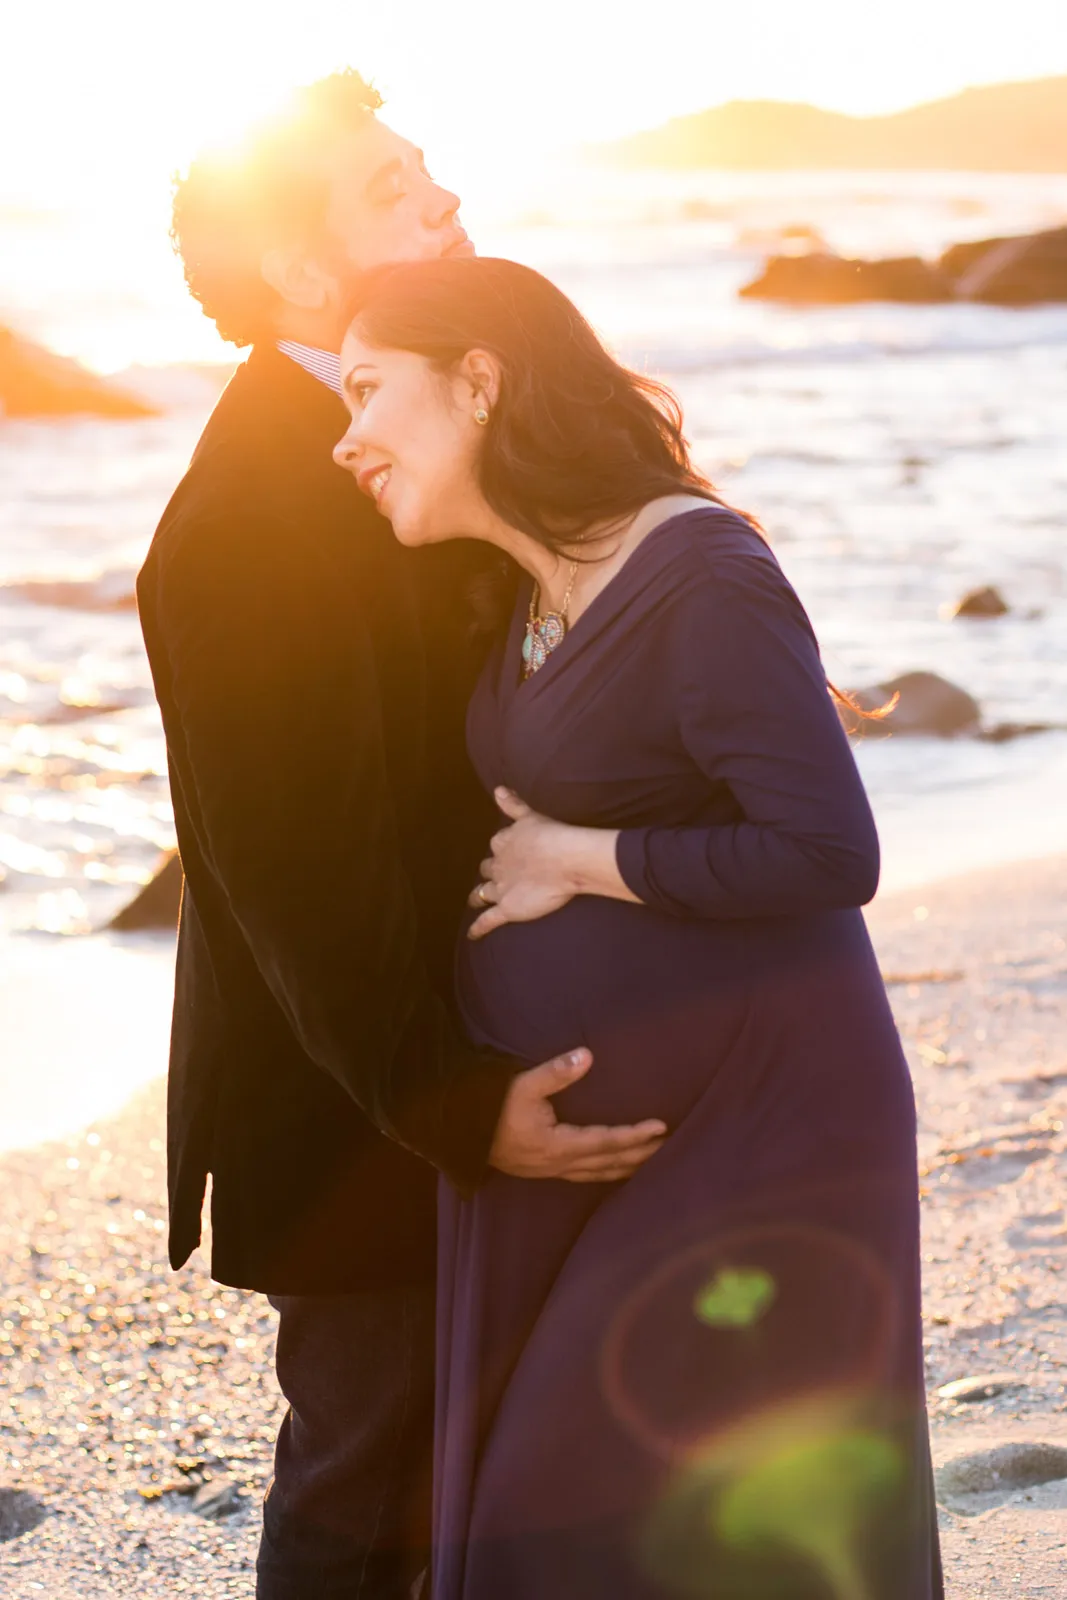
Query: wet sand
x,y
138,1407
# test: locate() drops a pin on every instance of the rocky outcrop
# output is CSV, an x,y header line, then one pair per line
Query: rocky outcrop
x,y
822,279
926,703
157,904
110,591
1024,271
36,383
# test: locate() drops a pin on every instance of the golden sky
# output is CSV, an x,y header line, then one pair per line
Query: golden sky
x,y
106,97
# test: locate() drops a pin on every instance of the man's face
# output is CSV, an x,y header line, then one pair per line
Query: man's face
x,y
385,207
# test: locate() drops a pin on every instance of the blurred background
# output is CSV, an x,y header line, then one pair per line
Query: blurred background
x,y
692,176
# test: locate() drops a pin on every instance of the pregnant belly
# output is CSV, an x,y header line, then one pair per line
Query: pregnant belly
x,y
786,1012
660,1002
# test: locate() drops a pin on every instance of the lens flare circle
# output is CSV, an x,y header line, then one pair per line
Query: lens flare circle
x,y
754,1319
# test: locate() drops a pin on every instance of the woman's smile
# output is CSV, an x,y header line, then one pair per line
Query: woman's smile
x,y
373,480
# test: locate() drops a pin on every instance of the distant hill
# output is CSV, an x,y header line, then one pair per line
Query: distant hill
x,y
1005,127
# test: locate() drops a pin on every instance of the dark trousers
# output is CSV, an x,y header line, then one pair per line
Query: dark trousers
x,y
347,1516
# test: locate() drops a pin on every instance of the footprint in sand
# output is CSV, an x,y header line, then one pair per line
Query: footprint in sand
x,y
1037,1085
988,1166
1038,1230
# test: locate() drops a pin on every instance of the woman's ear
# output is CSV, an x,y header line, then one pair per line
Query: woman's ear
x,y
480,372
298,279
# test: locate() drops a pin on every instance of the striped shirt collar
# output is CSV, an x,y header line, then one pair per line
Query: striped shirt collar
x,y
322,364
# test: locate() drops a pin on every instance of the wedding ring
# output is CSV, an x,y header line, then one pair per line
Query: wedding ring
x,y
482,896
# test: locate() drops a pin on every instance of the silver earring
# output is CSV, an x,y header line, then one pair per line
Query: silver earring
x,y
481,416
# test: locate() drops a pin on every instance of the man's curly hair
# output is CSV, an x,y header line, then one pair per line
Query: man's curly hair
x,y
273,190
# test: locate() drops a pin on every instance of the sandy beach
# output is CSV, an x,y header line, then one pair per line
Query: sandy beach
x,y
977,968
843,248
137,1407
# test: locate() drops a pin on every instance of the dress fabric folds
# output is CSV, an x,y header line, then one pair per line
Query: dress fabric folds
x,y
706,1381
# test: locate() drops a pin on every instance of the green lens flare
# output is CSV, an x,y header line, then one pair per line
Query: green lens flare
x,y
735,1298
815,1497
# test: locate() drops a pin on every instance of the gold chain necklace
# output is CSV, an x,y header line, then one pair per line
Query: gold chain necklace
x,y
547,633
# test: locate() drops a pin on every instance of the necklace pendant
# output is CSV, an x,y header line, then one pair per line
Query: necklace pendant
x,y
534,653
553,627
547,633
543,635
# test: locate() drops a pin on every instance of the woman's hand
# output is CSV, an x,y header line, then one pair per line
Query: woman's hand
x,y
527,875
537,865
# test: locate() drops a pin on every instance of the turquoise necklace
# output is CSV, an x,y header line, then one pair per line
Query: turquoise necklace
x,y
547,633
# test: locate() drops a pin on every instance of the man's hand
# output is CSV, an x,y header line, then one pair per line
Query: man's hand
x,y
531,1142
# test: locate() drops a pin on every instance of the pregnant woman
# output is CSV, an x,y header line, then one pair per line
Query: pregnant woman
x,y
705,1381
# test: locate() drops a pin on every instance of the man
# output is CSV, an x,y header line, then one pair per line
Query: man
x,y
313,677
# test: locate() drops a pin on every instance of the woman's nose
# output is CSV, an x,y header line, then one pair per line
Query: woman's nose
x,y
347,452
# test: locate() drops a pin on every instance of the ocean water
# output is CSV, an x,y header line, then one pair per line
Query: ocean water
x,y
896,455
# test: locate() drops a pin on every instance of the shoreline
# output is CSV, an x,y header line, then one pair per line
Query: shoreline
x,y
139,1406
977,807
86,1022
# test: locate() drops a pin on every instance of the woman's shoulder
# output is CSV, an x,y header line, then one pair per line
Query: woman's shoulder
x,y
714,544
723,578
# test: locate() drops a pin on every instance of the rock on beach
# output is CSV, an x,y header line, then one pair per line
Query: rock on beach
x,y
985,601
1003,1469
926,703
34,382
158,904
966,1390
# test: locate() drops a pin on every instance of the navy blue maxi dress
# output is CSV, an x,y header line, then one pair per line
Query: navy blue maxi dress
x,y
706,1381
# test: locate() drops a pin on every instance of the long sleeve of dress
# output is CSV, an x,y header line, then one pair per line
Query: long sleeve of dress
x,y
273,677
754,713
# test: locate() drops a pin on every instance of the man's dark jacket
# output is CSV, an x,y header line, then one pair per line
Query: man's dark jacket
x,y
313,677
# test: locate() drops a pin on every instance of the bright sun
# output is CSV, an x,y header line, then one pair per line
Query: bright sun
x,y
120,92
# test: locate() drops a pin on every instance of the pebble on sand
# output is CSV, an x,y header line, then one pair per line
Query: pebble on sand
x,y
968,1390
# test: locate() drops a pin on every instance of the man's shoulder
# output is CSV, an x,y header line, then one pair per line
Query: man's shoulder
x,y
213,515
260,475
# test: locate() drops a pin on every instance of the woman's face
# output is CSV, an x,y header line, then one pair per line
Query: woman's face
x,y
413,442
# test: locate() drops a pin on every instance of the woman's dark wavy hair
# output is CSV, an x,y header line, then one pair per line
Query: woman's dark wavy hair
x,y
575,440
